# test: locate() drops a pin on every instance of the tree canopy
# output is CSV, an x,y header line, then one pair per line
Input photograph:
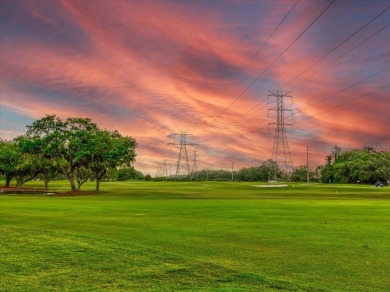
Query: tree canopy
x,y
75,147
362,165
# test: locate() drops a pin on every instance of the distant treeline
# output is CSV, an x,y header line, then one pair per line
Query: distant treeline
x,y
365,166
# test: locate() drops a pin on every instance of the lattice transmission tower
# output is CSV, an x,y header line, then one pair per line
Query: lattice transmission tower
x,y
165,168
194,164
281,151
162,170
182,141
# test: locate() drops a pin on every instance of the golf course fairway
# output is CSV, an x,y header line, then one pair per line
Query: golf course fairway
x,y
202,236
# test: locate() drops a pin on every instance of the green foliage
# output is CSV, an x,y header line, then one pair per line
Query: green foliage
x,y
300,174
365,166
261,173
64,142
82,175
128,173
9,159
48,170
110,150
76,148
217,175
27,169
253,174
268,170
15,163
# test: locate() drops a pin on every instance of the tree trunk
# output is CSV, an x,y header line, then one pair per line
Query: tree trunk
x,y
46,181
97,184
99,177
22,179
70,176
19,182
8,179
72,185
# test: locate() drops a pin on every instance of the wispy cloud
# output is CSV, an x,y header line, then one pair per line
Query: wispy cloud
x,y
150,69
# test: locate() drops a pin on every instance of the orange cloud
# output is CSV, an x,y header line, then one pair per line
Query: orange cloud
x,y
151,69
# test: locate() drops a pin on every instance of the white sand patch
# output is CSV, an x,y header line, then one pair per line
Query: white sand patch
x,y
270,186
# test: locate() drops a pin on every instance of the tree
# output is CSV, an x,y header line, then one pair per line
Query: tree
x,y
259,173
336,151
65,142
273,170
300,174
364,165
48,170
9,158
127,173
16,163
82,175
383,170
27,169
111,175
110,150
327,173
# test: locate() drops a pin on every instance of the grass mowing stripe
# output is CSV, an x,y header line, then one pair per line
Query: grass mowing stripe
x,y
306,237
154,266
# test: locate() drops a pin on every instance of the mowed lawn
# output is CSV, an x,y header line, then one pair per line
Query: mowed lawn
x,y
226,236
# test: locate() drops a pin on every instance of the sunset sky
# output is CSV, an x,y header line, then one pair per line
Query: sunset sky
x,y
154,68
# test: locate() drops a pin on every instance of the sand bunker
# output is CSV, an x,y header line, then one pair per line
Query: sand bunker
x,y
270,186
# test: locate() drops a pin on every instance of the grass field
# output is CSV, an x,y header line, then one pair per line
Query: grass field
x,y
164,236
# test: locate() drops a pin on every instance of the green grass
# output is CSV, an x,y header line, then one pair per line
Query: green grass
x,y
164,236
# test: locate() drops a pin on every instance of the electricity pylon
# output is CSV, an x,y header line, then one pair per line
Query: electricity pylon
x,y
194,165
165,169
182,141
281,151
162,170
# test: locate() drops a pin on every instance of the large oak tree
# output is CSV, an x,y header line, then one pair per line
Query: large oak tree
x,y
77,147
64,142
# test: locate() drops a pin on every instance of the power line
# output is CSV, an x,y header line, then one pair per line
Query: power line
x,y
276,28
262,46
356,46
340,105
336,106
338,92
350,50
300,110
336,47
328,65
269,66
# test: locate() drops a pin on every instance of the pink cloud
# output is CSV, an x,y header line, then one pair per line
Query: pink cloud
x,y
150,69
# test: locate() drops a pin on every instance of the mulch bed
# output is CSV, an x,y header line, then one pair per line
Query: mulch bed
x,y
14,190
24,190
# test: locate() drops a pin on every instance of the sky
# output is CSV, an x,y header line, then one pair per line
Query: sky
x,y
153,69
